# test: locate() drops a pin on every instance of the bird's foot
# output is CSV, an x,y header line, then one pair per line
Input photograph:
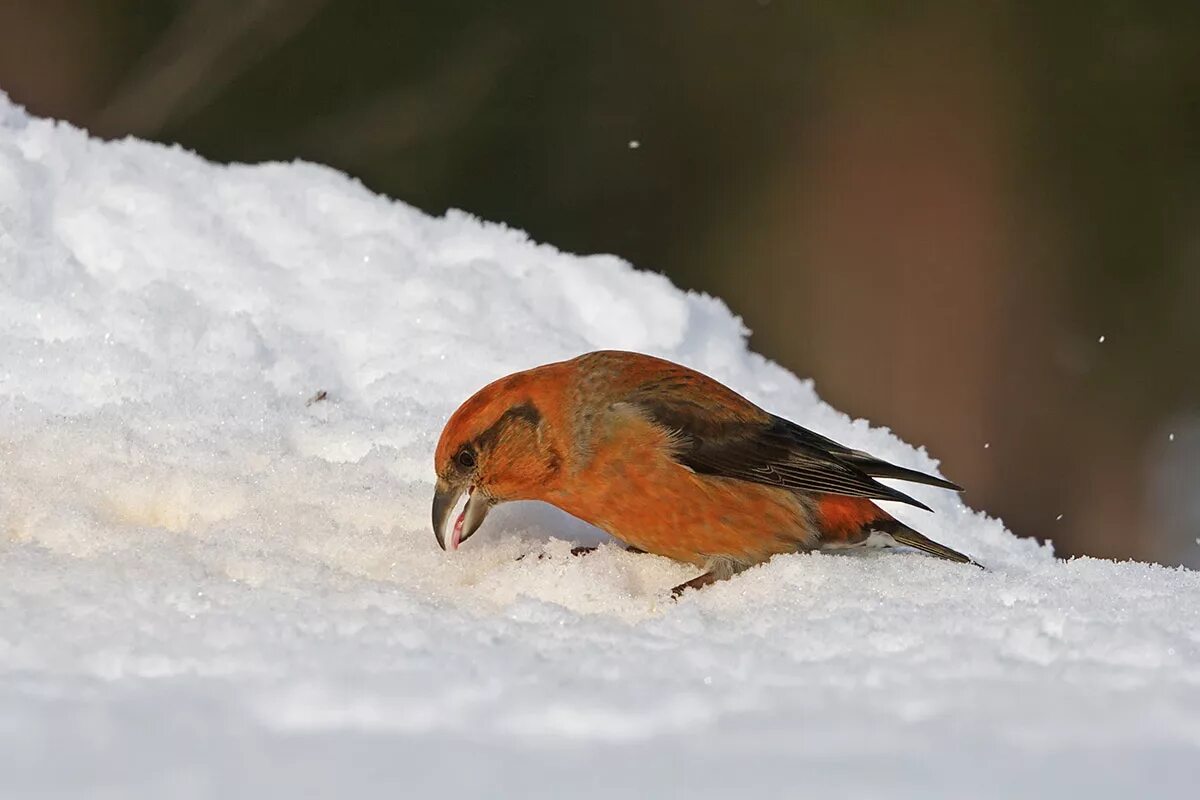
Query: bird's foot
x,y
699,582
582,551
575,551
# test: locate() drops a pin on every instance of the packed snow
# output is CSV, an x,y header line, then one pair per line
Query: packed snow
x,y
220,389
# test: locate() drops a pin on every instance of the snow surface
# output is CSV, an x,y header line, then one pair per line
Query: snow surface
x,y
214,587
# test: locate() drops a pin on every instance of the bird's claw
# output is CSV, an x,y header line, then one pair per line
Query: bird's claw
x,y
575,551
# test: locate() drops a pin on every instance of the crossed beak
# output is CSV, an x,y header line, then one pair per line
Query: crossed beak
x,y
445,498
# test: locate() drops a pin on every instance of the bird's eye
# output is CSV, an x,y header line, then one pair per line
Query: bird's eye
x,y
465,458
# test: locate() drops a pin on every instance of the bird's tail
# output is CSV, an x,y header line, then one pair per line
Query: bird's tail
x,y
902,534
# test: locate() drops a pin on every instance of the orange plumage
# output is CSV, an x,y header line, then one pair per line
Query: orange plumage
x,y
668,461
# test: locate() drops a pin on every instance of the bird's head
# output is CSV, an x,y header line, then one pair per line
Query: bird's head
x,y
497,446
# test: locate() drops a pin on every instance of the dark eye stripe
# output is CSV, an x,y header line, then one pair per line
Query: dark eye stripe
x,y
523,412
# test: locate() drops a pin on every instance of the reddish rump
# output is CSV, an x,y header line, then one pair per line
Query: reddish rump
x,y
847,519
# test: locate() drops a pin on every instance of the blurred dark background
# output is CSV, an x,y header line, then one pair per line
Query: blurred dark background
x,y
978,224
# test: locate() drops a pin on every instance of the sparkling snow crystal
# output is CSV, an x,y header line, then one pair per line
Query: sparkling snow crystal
x,y
220,387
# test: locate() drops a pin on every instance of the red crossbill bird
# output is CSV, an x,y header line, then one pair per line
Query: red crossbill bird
x,y
670,462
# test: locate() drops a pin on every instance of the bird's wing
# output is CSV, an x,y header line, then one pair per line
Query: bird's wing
x,y
719,433
875,467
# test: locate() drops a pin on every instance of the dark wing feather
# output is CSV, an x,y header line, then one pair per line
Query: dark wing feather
x,y
875,467
762,448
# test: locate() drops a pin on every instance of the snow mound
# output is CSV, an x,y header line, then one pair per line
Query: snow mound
x,y
220,388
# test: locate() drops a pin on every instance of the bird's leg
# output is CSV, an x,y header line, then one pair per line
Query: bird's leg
x,y
719,569
699,582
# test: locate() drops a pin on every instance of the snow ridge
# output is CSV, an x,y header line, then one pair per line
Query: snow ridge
x,y
215,582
